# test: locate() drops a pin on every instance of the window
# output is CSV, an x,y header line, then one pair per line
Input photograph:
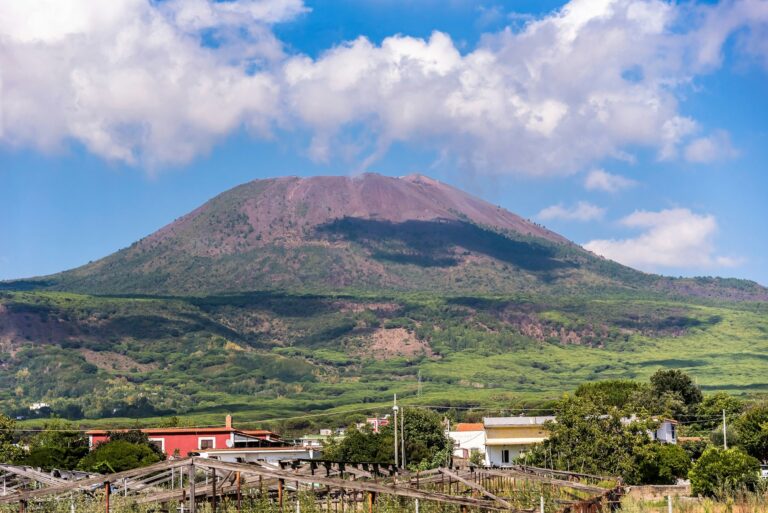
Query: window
x,y
159,443
505,456
206,443
672,431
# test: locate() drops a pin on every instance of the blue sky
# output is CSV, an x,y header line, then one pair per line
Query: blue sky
x,y
637,128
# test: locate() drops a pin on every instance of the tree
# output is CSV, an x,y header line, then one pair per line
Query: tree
x,y
752,429
118,455
659,463
362,445
619,393
722,472
9,451
426,445
710,410
56,447
678,384
591,439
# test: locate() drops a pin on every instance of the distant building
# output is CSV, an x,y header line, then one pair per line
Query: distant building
x,y
268,454
666,433
506,438
183,441
318,441
468,439
376,423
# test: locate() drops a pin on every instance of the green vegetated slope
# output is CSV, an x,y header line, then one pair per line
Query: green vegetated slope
x,y
273,355
365,282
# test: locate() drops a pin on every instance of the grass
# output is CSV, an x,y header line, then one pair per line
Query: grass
x,y
288,360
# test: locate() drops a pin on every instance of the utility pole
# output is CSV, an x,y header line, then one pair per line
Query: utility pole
x,y
402,436
725,433
397,451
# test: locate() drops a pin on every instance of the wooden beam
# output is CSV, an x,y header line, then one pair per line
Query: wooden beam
x,y
356,485
92,482
477,487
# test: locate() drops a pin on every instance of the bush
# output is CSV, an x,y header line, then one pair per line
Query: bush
x,y
723,471
659,463
118,455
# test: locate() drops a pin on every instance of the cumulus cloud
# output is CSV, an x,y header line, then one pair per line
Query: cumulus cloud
x,y
673,238
132,80
600,180
712,148
137,80
583,211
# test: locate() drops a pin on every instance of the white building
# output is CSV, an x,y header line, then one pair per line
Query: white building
x,y
468,439
256,454
506,438
666,432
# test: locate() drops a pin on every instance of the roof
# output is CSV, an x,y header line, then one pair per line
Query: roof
x,y
515,441
467,426
516,421
168,431
296,448
188,431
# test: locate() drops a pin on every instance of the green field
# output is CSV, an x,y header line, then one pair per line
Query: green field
x,y
312,359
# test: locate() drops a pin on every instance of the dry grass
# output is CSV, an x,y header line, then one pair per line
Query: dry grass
x,y
742,503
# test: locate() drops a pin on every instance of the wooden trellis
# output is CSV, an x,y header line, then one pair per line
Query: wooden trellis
x,y
194,480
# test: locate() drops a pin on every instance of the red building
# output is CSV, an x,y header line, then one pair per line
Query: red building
x,y
181,441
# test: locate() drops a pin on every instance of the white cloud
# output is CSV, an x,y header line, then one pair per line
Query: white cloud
x,y
583,211
130,82
712,148
674,238
141,81
600,180
582,84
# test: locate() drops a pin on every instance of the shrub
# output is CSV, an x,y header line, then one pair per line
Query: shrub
x,y
659,463
723,471
118,455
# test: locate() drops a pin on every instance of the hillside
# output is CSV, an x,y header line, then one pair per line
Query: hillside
x,y
287,296
369,232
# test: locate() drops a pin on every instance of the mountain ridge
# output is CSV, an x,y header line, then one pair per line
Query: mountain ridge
x,y
369,232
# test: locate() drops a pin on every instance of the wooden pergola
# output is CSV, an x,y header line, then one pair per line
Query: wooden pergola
x,y
192,481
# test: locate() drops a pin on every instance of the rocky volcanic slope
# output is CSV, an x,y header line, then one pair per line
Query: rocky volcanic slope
x,y
368,232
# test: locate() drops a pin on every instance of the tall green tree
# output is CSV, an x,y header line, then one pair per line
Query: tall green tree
x,y
592,439
677,384
752,429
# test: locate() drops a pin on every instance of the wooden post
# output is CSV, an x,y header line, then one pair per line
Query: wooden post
x,y
191,474
371,498
107,490
22,506
239,494
213,490
280,483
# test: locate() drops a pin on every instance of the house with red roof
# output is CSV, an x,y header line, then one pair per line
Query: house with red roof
x,y
181,442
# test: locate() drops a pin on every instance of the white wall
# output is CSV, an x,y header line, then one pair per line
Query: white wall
x,y
494,454
467,440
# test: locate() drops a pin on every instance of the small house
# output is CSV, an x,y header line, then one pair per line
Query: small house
x,y
506,438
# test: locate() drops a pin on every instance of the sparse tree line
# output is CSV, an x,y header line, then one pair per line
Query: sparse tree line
x,y
591,435
57,447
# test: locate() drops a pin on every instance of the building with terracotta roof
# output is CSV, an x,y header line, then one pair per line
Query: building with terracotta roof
x,y
182,441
